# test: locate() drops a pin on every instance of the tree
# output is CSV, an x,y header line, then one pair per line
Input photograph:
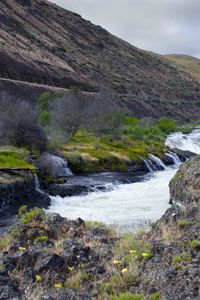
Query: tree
x,y
18,125
104,113
69,113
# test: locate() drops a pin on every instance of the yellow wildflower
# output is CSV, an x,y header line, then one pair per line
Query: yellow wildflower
x,y
38,278
22,248
133,251
116,262
58,285
124,270
145,254
70,269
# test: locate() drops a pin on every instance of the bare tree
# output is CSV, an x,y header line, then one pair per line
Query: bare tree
x,y
69,113
104,113
18,125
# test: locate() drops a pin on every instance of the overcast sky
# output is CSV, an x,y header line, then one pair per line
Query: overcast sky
x,y
162,26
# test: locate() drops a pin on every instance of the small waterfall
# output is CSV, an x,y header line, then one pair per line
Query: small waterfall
x,y
149,165
157,161
174,157
37,185
62,166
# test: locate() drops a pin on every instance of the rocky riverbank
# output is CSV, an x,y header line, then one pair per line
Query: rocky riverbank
x,y
18,187
49,257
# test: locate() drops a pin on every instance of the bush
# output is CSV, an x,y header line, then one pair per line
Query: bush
x,y
41,239
77,280
18,126
127,296
181,258
155,296
195,244
4,242
45,118
34,215
131,121
43,101
182,223
167,125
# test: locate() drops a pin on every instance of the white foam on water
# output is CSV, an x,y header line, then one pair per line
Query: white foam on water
x,y
185,142
129,205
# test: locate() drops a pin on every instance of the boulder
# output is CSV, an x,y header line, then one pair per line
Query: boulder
x,y
53,165
185,185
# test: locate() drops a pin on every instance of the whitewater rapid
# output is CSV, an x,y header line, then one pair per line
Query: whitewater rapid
x,y
129,206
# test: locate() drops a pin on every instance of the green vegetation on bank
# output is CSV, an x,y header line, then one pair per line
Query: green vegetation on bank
x,y
13,157
136,138
93,134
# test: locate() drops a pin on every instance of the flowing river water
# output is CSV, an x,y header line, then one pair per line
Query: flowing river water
x,y
130,206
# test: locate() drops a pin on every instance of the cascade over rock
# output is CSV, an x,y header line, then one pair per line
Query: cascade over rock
x,y
19,188
53,165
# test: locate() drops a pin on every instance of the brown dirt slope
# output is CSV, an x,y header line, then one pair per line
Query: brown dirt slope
x,y
43,43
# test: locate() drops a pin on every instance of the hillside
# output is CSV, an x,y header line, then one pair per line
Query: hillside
x,y
43,43
186,63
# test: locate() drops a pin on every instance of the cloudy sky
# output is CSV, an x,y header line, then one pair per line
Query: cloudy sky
x,y
162,26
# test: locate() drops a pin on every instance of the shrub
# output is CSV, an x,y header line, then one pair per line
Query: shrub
x,y
77,281
155,296
131,121
34,215
22,210
18,126
132,250
5,242
45,118
127,296
113,285
41,239
43,101
182,223
179,259
167,125
195,244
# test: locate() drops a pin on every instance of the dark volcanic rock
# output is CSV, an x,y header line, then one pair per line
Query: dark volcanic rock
x,y
167,160
8,290
19,188
54,261
183,154
77,185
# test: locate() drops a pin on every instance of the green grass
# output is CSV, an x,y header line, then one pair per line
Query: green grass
x,y
11,157
127,296
88,153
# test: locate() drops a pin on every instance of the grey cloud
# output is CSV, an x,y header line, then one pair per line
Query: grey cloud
x,y
162,26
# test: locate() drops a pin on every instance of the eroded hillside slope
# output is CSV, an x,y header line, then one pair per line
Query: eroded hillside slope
x,y
43,43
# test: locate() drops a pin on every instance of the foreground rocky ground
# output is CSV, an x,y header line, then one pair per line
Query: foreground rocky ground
x,y
49,257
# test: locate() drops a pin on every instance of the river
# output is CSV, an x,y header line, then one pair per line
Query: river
x,y
129,206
